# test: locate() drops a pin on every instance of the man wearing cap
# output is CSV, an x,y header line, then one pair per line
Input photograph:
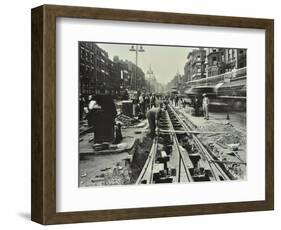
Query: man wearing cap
x,y
205,105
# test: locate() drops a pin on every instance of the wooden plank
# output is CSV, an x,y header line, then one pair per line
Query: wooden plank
x,y
229,162
147,168
194,132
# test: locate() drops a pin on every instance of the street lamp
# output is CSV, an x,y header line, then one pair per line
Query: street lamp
x,y
149,73
136,49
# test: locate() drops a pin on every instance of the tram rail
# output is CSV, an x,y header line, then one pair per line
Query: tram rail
x,y
181,164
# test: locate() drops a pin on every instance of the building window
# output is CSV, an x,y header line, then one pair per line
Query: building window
x,y
214,60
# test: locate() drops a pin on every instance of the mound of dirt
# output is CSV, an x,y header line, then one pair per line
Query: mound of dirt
x,y
142,151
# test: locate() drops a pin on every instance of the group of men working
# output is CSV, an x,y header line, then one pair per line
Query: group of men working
x,y
144,102
147,105
154,114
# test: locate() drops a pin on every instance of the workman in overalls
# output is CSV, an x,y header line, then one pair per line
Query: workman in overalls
x,y
153,117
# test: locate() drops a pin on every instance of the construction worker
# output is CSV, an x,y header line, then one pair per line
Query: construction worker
x,y
196,104
205,105
153,100
153,116
141,105
176,101
118,133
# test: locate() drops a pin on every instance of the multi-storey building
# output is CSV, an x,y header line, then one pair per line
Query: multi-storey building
x,y
234,59
195,65
208,62
94,68
187,71
99,74
137,76
213,61
222,60
123,73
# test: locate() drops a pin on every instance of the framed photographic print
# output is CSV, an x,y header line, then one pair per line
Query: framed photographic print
x,y
140,114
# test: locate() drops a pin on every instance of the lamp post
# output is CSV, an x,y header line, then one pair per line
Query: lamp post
x,y
149,73
136,49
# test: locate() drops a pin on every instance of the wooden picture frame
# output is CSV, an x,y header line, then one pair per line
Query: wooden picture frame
x,y
43,208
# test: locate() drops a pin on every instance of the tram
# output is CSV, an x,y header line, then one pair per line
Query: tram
x,y
222,95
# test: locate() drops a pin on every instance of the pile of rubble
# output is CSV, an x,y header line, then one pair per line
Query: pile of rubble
x,y
228,135
119,175
140,156
229,145
125,120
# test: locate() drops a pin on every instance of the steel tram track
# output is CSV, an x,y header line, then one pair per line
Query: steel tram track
x,y
215,167
181,157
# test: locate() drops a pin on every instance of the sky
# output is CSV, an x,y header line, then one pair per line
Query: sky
x,y
165,61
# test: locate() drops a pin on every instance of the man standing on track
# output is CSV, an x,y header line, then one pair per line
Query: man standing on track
x,y
205,106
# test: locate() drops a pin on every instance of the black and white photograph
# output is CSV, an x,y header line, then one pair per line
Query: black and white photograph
x,y
152,114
